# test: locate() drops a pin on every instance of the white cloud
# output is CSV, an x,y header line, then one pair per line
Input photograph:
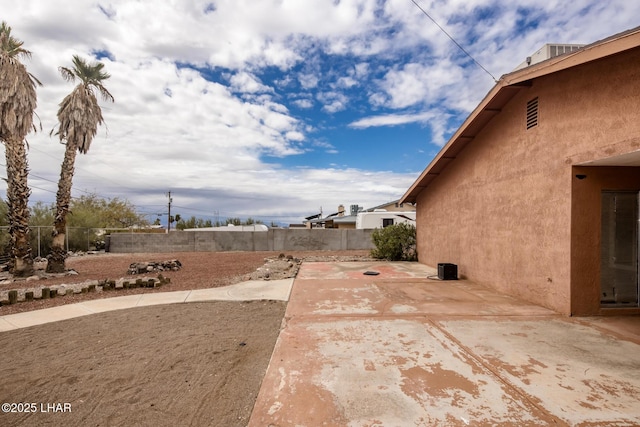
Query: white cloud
x,y
333,101
435,121
308,81
248,83
326,147
391,120
346,82
295,136
420,84
231,69
303,103
361,70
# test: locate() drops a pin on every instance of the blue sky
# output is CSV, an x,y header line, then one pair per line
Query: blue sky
x,y
275,109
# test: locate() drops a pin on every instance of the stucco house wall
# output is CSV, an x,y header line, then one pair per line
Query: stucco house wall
x,y
509,209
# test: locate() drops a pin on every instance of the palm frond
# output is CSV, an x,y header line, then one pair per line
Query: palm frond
x,y
106,95
18,97
79,114
9,45
67,74
90,74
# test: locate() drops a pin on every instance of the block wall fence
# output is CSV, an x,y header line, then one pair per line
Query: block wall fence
x,y
282,239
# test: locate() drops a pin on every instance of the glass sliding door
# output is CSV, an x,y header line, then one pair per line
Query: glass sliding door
x,y
619,249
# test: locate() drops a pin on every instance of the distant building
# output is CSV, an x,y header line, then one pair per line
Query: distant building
x,y
381,218
340,219
394,206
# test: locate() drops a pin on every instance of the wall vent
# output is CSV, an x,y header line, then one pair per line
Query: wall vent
x,y
532,113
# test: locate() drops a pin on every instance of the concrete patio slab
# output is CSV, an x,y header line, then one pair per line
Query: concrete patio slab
x,y
625,327
400,349
574,371
250,290
387,372
356,269
403,296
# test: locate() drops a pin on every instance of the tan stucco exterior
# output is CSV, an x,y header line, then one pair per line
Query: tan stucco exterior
x,y
503,202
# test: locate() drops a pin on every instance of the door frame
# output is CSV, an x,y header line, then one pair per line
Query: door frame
x,y
608,244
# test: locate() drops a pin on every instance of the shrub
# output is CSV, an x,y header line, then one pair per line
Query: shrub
x,y
395,243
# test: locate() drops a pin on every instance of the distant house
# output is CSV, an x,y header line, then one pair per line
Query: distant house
x,y
381,218
334,220
536,194
397,213
386,214
394,206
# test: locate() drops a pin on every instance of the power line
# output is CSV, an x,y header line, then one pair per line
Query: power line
x,y
453,40
55,192
225,213
76,167
55,182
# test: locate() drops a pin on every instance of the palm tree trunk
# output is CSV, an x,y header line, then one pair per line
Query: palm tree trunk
x,y
18,207
58,253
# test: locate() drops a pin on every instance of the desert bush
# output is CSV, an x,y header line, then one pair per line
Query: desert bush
x,y
395,243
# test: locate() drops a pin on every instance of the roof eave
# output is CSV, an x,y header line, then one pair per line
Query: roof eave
x,y
504,90
490,106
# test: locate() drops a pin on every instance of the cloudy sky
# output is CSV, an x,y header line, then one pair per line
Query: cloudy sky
x,y
276,109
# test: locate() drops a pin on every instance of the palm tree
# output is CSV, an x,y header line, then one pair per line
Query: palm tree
x,y
78,118
17,106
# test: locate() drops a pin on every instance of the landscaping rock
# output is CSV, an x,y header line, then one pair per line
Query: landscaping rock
x,y
278,268
154,267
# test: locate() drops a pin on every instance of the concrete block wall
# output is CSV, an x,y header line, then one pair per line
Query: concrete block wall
x,y
280,239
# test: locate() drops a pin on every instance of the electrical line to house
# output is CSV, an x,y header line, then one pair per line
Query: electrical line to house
x,y
453,40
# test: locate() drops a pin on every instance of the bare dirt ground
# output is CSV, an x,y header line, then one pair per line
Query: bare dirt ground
x,y
168,365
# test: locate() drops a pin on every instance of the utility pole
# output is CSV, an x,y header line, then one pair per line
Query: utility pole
x,y
169,216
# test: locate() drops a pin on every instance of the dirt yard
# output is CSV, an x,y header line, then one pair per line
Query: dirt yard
x,y
168,365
